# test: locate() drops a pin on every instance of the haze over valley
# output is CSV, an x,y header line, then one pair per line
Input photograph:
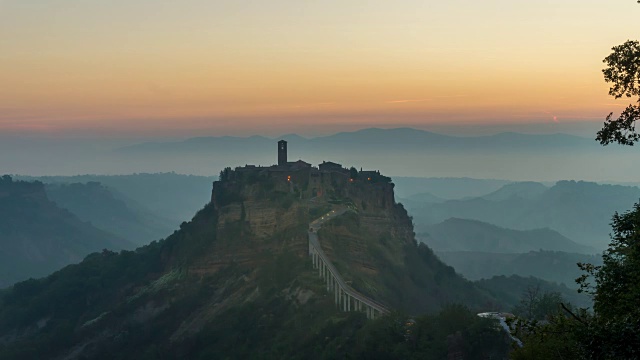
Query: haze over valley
x,y
319,180
398,152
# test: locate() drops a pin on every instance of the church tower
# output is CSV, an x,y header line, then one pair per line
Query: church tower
x,y
282,153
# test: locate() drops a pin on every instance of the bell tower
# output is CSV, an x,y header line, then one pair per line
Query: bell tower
x,y
282,153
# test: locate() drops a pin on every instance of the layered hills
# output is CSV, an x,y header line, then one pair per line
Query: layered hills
x,y
38,237
170,196
236,280
555,266
578,210
110,211
471,235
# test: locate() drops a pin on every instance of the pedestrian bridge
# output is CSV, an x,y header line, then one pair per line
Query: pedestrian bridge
x,y
346,297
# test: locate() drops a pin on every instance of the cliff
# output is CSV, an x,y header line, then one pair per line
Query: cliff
x,y
373,245
236,281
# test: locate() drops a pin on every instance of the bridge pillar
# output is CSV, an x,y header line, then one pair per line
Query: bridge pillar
x,y
373,313
348,303
325,272
368,311
335,291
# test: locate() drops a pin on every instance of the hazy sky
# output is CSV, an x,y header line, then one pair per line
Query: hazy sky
x,y
161,67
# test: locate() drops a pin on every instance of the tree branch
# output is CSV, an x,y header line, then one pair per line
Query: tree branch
x,y
572,314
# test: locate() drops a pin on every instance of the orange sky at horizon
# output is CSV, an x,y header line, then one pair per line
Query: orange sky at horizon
x,y
143,66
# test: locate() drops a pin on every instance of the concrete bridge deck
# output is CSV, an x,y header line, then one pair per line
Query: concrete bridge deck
x,y
345,297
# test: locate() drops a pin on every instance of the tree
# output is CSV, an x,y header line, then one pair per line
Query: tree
x,y
616,292
225,174
612,330
536,305
623,71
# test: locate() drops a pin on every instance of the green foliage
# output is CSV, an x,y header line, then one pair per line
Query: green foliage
x,y
616,291
454,330
225,174
623,71
558,338
617,281
613,330
621,130
538,305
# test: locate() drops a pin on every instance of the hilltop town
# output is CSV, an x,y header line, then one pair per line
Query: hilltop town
x,y
327,180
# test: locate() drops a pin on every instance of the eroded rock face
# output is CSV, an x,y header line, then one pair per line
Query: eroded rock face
x,y
261,217
253,220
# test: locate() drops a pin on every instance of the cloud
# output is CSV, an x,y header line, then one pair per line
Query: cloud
x,y
298,106
403,101
407,101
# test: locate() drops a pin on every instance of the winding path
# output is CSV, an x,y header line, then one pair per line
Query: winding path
x,y
345,297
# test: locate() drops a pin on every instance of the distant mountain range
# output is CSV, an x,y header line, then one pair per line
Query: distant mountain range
x,y
399,139
400,151
38,237
447,188
526,190
579,210
471,235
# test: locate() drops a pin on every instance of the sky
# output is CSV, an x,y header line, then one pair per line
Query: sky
x,y
207,67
